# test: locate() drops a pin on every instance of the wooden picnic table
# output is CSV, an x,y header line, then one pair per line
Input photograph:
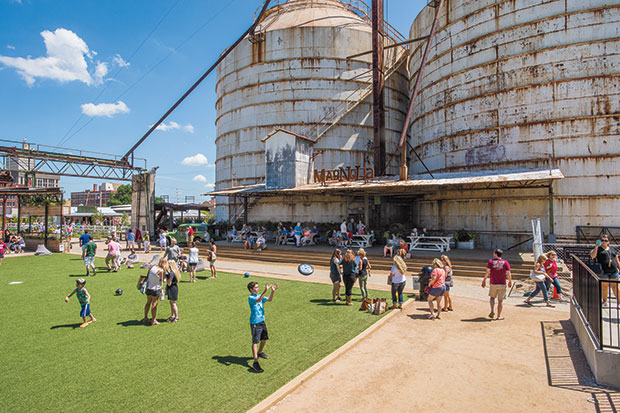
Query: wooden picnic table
x,y
361,241
440,244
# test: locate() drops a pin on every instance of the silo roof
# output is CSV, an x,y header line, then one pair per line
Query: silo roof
x,y
306,13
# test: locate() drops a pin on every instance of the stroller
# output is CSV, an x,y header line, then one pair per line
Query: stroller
x,y
423,279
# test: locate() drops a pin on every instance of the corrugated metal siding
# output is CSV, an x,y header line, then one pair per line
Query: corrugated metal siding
x,y
300,74
512,84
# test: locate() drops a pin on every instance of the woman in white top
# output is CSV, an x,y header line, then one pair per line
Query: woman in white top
x,y
162,240
398,273
193,262
154,280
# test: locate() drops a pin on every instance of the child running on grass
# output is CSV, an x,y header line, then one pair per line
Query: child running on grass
x,y
257,321
89,249
84,299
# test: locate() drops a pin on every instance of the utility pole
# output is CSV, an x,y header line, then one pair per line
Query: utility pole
x,y
378,109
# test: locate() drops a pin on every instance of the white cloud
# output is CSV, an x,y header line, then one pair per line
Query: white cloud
x,y
8,46
196,160
67,59
200,178
168,127
105,109
119,61
172,125
210,186
100,71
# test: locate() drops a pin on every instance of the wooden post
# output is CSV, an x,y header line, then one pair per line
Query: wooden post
x,y
61,222
45,225
245,210
19,214
366,220
3,216
171,220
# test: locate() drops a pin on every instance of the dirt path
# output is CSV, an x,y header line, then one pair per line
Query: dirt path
x,y
460,363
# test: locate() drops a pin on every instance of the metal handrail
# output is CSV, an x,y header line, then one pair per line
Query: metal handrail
x,y
358,7
603,321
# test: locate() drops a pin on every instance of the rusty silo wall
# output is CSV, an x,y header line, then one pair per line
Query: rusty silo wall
x,y
522,84
291,80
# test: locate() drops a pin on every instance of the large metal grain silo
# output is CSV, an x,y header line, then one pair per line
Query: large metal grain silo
x,y
293,74
520,85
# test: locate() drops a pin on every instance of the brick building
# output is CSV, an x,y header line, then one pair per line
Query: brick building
x,y
98,196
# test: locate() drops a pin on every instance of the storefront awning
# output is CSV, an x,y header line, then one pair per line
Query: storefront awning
x,y
392,186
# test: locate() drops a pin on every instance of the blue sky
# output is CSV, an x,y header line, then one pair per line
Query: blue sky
x,y
95,75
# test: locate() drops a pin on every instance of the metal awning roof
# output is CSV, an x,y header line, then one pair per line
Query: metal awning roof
x,y
392,186
29,191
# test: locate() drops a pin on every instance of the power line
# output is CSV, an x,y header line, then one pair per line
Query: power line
x,y
63,140
173,51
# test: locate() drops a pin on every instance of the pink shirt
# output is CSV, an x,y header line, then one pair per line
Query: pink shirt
x,y
440,273
114,248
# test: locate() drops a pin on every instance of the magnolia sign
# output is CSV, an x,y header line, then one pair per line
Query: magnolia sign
x,y
343,174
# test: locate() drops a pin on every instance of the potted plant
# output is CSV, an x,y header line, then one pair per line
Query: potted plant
x,y
464,239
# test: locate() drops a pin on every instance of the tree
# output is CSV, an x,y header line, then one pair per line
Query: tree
x,y
122,196
97,218
124,220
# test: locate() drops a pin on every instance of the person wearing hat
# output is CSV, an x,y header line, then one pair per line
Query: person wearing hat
x,y
84,300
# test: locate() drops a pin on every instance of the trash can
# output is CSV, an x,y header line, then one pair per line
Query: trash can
x,y
424,278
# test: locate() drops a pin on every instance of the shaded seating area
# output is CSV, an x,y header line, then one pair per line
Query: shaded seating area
x,y
41,204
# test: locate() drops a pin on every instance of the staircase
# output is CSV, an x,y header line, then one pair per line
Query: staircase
x,y
239,212
353,100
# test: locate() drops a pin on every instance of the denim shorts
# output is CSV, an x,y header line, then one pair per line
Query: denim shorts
x,y
436,292
259,332
609,276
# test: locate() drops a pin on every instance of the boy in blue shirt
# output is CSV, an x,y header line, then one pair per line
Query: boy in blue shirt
x,y
84,300
257,321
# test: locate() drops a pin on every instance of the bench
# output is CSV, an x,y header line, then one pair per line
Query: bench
x,y
361,241
237,238
440,244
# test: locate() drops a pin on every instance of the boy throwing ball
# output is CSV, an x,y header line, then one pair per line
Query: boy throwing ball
x,y
84,299
257,321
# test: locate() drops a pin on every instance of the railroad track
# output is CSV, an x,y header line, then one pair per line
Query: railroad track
x,y
462,267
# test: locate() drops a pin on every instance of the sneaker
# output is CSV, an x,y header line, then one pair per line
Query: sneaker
x,y
263,355
257,368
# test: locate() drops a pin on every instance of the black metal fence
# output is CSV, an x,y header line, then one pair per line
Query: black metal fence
x,y
602,316
588,234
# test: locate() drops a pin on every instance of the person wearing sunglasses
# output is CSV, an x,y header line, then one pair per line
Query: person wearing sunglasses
x,y
608,258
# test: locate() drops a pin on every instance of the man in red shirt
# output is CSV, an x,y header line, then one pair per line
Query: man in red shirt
x,y
190,236
498,269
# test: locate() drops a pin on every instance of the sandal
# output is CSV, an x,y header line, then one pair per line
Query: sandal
x,y
550,305
431,316
154,322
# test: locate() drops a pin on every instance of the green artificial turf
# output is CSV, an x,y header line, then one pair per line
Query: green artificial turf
x,y
117,364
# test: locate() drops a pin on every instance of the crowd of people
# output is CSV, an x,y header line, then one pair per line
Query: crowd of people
x,y
346,267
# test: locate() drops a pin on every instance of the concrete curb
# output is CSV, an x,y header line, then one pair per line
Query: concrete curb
x,y
292,385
